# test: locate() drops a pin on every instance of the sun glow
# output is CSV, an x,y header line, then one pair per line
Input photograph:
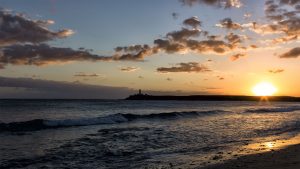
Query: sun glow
x,y
264,89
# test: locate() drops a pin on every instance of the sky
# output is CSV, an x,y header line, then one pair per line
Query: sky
x,y
112,48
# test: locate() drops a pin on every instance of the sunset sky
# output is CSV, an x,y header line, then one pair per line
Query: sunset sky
x,y
111,48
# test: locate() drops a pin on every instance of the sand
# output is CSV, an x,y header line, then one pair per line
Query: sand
x,y
281,157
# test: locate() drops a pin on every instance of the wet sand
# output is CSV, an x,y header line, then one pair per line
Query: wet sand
x,y
271,157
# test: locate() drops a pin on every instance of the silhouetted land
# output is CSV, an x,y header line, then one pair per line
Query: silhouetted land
x,y
215,98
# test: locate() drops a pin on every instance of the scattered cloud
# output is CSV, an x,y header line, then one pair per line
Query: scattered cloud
x,y
185,67
37,88
83,74
44,54
236,56
175,15
47,89
276,71
293,53
215,3
129,69
227,23
194,22
18,28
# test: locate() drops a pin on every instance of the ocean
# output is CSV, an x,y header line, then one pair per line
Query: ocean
x,y
110,134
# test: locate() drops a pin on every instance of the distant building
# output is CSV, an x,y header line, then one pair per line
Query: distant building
x,y
140,92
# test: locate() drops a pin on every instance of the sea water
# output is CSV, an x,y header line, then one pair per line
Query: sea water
x,y
113,134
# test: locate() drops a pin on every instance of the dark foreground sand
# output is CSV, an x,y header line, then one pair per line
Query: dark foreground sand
x,y
287,158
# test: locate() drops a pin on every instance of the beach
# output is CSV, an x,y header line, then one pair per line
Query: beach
x,y
286,157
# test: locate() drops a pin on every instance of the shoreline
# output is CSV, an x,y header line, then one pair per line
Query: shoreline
x,y
280,154
214,98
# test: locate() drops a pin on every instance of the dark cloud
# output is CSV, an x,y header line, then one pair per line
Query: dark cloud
x,y
175,15
284,17
23,42
234,39
24,37
188,40
28,88
37,88
132,48
216,3
133,53
193,22
236,56
229,24
206,46
43,54
183,34
284,39
254,46
129,69
83,74
276,71
17,28
293,53
169,47
290,2
184,67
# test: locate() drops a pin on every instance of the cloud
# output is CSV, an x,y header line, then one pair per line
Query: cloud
x,y
82,74
276,71
132,53
18,28
210,46
284,18
37,88
236,56
293,53
229,24
215,3
184,67
188,40
25,43
234,39
43,54
194,22
175,15
28,88
183,34
129,69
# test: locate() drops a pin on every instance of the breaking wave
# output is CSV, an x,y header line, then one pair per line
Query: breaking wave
x,y
39,124
273,109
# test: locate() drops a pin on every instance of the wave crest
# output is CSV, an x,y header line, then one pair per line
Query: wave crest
x,y
39,124
273,109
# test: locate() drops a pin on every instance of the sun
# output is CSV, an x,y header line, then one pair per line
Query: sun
x,y
264,89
